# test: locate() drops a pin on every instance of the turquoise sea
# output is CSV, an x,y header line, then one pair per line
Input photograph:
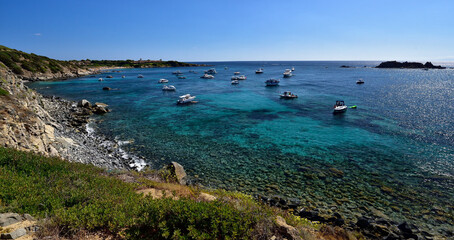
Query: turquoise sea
x,y
393,156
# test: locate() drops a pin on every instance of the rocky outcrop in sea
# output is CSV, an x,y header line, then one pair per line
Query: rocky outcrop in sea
x,y
395,64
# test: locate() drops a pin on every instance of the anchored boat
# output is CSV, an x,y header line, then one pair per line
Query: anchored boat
x,y
272,82
288,95
340,107
169,88
186,99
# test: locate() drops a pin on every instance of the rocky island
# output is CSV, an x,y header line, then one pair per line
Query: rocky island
x,y
395,64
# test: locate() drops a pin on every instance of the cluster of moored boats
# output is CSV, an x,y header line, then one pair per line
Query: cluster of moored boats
x,y
339,107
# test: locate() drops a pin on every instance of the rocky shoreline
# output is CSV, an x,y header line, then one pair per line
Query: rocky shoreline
x,y
87,146
56,127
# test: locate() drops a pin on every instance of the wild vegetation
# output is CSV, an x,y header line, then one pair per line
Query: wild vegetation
x,y
19,62
3,92
76,197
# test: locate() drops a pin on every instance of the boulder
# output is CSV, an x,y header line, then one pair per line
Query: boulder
x,y
13,235
84,103
7,219
29,217
98,104
179,173
289,232
100,108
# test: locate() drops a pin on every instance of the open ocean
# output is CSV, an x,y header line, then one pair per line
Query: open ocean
x,y
392,156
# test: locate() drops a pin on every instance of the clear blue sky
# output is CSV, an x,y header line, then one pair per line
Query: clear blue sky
x,y
202,30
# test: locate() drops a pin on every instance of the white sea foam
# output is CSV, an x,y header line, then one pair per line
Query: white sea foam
x,y
90,130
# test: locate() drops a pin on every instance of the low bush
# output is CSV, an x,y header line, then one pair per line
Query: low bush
x,y
3,92
83,197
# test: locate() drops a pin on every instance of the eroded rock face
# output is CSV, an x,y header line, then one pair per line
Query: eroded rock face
x,y
53,126
180,173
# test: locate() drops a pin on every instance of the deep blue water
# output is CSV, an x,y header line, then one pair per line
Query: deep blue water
x,y
395,151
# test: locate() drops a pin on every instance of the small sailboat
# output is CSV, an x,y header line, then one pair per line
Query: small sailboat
x,y
100,79
293,69
340,107
140,76
177,72
123,76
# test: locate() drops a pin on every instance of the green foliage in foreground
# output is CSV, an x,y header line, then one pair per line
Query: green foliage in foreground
x,y
3,92
78,196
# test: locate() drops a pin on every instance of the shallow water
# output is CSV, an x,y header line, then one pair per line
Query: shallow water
x,y
393,154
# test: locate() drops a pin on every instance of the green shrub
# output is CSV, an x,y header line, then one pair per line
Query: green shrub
x,y
82,197
28,66
3,92
16,69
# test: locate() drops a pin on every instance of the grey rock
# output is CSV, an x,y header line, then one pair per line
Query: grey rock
x,y
100,110
84,103
180,173
29,217
7,219
16,234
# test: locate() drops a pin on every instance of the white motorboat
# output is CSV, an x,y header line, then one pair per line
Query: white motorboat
x,y
360,81
169,88
288,95
272,82
242,77
211,71
236,73
207,76
234,77
181,77
100,79
235,82
258,71
288,73
340,107
140,76
177,72
163,80
185,99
